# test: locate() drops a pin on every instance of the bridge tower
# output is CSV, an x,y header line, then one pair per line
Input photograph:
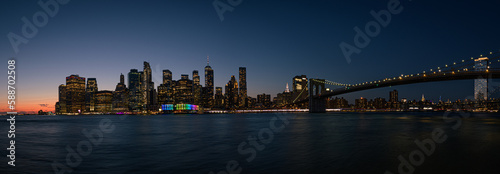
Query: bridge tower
x,y
317,104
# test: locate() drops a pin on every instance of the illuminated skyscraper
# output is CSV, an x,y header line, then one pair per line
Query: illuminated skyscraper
x,y
104,101
167,88
231,93
120,96
393,96
183,91
219,98
196,77
243,87
167,77
90,97
209,83
135,95
481,84
149,94
75,94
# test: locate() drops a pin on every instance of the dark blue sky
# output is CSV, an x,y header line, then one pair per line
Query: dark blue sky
x,y
275,40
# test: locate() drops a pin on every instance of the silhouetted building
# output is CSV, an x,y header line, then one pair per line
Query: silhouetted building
x,y
243,87
75,94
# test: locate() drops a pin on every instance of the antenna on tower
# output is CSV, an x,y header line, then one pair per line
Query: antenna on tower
x,y
208,62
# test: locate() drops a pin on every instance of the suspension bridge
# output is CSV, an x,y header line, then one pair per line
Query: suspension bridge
x,y
474,68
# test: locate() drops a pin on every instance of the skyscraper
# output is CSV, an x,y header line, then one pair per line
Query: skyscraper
x,y
209,83
135,95
90,94
167,77
149,94
120,96
75,94
183,91
196,77
231,93
219,98
481,84
61,105
243,87
393,96
168,91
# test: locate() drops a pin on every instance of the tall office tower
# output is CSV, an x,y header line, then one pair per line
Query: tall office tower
x,y
300,87
196,77
135,94
162,94
146,86
62,100
75,94
481,84
167,78
197,89
168,84
184,77
120,96
393,99
183,91
149,94
243,87
219,98
287,89
198,94
209,83
104,101
393,96
232,93
90,95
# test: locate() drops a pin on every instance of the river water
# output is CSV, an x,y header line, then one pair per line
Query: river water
x,y
256,143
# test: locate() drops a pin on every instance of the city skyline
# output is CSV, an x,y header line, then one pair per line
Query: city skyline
x,y
272,42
